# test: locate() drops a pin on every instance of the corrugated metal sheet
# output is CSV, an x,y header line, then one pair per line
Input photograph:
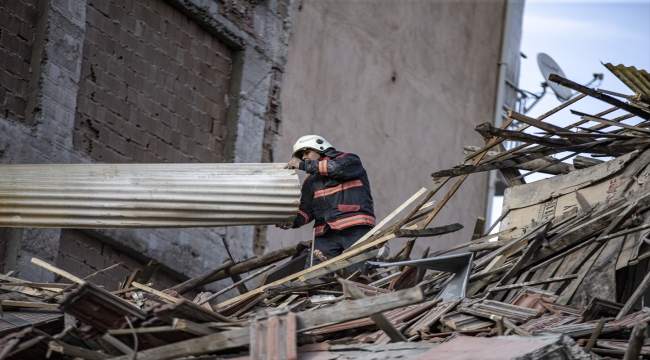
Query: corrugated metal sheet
x,y
637,80
146,195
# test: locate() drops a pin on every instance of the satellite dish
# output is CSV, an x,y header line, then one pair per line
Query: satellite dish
x,y
548,66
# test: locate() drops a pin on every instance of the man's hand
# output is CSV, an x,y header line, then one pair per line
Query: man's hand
x,y
293,164
285,225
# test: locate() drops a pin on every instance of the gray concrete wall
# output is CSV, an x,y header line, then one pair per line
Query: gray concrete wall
x,y
400,83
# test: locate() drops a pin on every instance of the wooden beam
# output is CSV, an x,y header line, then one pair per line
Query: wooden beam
x,y
595,94
528,253
533,283
235,278
522,128
385,221
242,281
479,226
57,271
160,294
28,304
341,312
195,282
613,123
436,231
379,319
258,262
342,264
76,351
549,128
635,345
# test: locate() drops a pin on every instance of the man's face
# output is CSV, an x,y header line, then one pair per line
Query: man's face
x,y
310,155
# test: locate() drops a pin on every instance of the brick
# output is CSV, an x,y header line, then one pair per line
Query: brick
x,y
25,12
10,42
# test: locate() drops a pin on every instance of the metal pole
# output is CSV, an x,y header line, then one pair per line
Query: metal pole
x,y
313,243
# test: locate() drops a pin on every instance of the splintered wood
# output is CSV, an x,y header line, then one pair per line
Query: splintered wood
x,y
570,259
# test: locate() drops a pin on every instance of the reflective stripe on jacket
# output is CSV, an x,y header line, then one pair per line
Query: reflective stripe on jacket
x,y
336,194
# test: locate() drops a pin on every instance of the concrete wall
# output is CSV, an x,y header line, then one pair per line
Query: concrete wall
x,y
138,81
400,83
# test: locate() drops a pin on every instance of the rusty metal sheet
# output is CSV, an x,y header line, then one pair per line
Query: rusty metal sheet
x,y
99,308
274,337
146,195
637,80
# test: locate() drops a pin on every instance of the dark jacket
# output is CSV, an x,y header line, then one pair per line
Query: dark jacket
x,y
336,194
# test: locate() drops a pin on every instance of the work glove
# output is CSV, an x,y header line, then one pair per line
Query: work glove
x,y
293,164
285,225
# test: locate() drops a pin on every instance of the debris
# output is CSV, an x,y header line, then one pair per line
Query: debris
x,y
565,277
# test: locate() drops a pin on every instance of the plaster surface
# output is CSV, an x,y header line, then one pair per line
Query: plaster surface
x,y
401,84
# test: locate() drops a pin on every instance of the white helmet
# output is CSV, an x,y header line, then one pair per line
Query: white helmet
x,y
313,142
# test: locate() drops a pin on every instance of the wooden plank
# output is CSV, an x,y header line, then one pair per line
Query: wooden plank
x,y
191,327
28,304
519,242
76,351
235,278
57,271
344,311
550,128
494,264
531,283
362,241
242,281
436,231
563,254
530,250
600,280
487,246
636,341
145,330
195,282
155,292
340,265
55,286
478,227
578,233
476,241
117,344
378,318
567,294
522,128
258,262
595,94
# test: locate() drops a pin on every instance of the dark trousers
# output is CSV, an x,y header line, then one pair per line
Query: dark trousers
x,y
333,242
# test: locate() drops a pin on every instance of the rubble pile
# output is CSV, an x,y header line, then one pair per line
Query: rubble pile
x,y
564,277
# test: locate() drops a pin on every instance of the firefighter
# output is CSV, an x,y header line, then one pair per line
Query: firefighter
x,y
335,195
